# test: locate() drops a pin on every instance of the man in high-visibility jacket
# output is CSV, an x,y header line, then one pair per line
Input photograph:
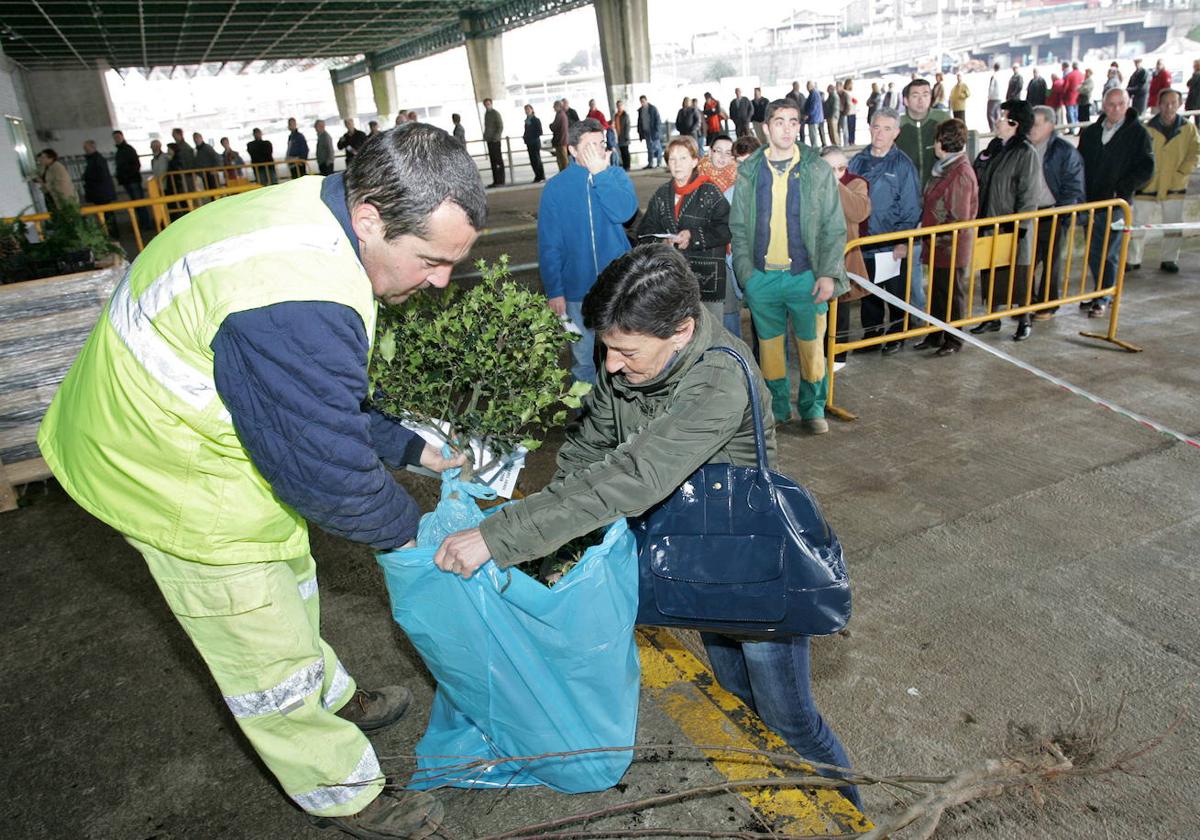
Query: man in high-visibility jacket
x,y
218,404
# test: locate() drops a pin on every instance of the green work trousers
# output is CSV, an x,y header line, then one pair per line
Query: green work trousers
x,y
257,625
773,298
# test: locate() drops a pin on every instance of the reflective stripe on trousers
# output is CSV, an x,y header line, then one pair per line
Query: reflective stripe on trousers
x,y
260,638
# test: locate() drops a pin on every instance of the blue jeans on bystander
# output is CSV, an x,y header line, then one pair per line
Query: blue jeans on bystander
x,y
583,359
773,679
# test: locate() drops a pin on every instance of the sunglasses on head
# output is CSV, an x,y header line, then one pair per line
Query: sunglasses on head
x,y
1011,122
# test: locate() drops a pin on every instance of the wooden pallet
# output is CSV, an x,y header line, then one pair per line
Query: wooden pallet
x,y
43,325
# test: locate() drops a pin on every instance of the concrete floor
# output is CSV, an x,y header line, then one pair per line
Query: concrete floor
x,y
1008,543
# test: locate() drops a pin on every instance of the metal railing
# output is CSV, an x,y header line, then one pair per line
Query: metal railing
x,y
999,248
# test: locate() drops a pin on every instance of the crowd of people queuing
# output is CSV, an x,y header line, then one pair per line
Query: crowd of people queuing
x,y
756,236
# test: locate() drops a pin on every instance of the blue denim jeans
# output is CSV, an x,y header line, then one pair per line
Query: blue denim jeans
x,y
1098,260
773,679
654,151
918,283
583,360
732,321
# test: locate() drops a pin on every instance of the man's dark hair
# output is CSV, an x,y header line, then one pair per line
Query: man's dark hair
x,y
50,153
779,105
915,83
1166,91
173,130
647,291
584,126
408,172
223,140
455,118
996,66
1021,112
952,134
721,136
256,132
745,146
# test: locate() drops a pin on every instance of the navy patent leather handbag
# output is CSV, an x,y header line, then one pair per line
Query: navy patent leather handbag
x,y
741,550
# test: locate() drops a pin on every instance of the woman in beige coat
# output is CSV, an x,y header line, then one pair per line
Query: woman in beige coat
x,y
55,180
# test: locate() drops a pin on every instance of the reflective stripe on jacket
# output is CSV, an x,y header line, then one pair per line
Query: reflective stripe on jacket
x,y
137,433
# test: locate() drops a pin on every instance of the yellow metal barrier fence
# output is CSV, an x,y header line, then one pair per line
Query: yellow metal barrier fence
x,y
157,204
997,245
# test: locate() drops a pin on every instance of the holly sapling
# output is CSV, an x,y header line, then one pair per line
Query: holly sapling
x,y
476,365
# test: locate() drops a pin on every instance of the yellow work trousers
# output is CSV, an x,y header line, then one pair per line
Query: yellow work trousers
x,y
257,625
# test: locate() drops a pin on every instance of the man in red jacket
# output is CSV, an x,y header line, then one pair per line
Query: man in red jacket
x,y
1160,81
1072,79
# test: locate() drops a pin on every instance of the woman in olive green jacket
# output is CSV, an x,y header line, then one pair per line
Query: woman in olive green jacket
x,y
662,408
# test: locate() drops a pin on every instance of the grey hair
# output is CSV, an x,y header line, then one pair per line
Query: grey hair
x,y
586,126
408,172
890,113
1047,113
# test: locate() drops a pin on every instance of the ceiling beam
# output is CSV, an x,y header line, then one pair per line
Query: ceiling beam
x,y
53,25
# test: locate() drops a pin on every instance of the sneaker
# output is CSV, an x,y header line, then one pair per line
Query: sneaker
x,y
1170,266
374,710
1044,315
1132,266
814,425
1097,310
408,814
838,366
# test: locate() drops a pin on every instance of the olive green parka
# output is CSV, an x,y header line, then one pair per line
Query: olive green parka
x,y
636,443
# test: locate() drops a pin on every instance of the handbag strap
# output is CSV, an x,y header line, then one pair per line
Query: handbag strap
x,y
760,438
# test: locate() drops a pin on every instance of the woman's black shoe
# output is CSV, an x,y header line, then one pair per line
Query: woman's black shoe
x,y
947,350
929,342
985,327
893,347
1023,331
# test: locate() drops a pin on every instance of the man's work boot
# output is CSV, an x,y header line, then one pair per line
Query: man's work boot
x,y
407,814
374,710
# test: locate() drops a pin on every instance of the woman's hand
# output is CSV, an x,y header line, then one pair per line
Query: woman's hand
x,y
462,553
431,458
900,251
683,239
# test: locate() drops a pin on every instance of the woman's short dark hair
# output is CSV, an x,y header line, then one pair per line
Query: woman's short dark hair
x,y
408,172
647,291
49,153
745,146
952,134
1020,112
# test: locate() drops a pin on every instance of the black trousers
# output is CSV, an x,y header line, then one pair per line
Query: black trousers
x,y
873,308
1085,111
325,168
297,170
625,159
497,159
1051,263
942,277
535,161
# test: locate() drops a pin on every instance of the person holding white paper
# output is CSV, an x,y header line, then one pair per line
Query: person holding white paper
x,y
895,190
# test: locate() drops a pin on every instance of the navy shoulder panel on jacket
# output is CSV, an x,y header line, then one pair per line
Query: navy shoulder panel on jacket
x,y
294,379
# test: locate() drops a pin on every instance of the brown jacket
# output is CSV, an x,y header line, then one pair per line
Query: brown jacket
x,y
856,207
952,195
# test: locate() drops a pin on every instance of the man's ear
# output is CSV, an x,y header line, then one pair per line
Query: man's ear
x,y
366,222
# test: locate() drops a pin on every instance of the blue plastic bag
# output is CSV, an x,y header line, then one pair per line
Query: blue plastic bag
x,y
522,669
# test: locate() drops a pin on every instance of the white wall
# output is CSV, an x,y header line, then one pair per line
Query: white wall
x,y
14,191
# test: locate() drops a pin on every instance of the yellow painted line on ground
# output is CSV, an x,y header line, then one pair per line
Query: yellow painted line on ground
x,y
707,714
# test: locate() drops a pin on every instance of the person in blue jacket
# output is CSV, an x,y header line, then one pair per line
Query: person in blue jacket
x,y
297,150
814,116
581,220
895,205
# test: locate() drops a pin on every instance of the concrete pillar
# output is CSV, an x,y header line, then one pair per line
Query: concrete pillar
x,y
486,60
347,101
383,85
624,47
1074,47
70,106
1033,54
1120,40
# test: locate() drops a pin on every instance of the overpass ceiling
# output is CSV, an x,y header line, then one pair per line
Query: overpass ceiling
x,y
65,34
